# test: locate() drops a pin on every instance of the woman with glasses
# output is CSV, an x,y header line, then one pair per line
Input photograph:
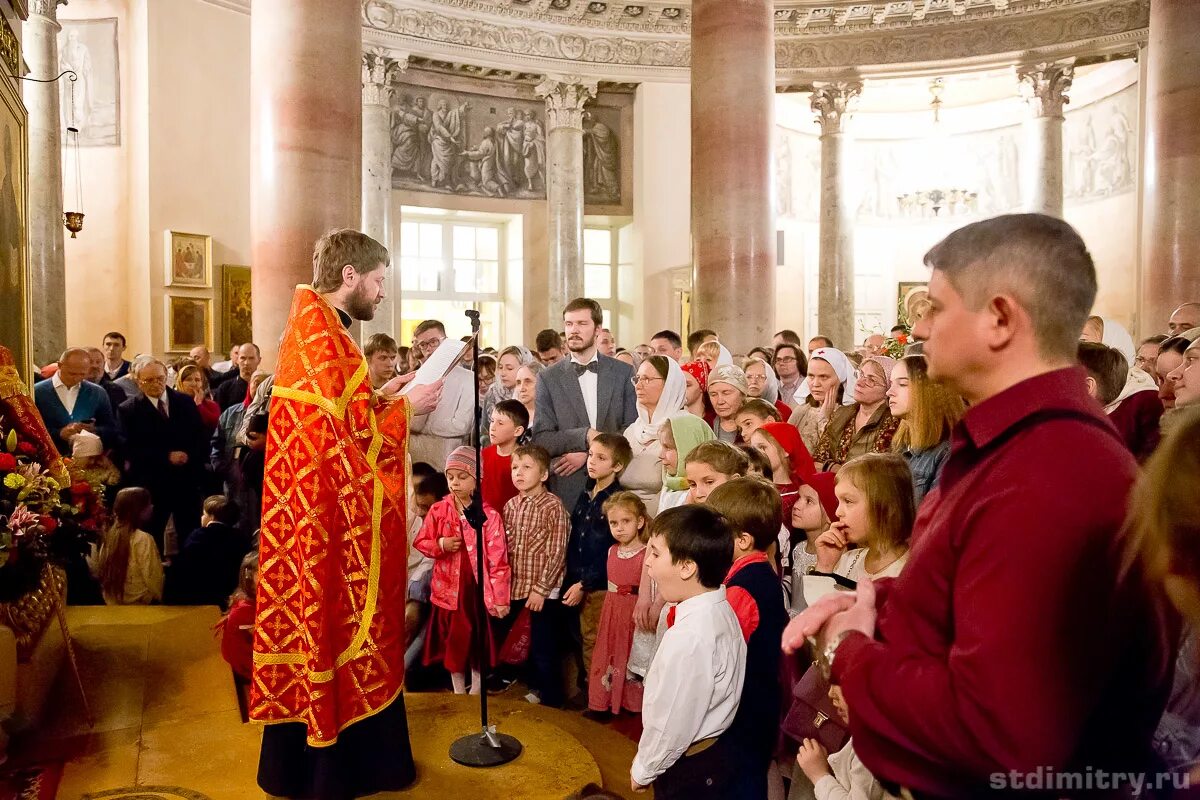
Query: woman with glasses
x,y
763,384
791,365
865,427
659,387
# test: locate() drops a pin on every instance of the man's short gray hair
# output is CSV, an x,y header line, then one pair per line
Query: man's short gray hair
x,y
1039,260
141,362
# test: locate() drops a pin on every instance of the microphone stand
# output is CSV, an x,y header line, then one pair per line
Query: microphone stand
x,y
487,748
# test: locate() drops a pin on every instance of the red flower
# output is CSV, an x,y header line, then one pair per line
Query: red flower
x,y
26,449
50,524
902,338
81,489
8,462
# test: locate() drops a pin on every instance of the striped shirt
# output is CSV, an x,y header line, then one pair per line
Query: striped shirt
x,y
537,528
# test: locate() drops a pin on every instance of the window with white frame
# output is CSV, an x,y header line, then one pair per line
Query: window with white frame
x,y
601,256
447,267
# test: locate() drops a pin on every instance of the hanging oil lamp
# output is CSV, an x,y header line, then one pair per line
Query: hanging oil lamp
x,y
73,220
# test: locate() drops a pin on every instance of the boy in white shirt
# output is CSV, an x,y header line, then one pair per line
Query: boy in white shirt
x,y
695,683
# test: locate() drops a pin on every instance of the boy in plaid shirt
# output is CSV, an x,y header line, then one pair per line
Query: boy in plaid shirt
x,y
537,525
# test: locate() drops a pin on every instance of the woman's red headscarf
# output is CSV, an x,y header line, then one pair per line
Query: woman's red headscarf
x,y
800,460
699,370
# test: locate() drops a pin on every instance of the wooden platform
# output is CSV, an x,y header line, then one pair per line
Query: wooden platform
x,y
168,725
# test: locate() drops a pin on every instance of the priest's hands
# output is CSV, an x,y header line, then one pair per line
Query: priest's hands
x,y
396,384
424,399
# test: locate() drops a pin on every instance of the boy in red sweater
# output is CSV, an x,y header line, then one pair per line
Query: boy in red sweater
x,y
510,420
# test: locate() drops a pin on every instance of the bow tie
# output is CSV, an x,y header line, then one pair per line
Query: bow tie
x,y
671,616
582,368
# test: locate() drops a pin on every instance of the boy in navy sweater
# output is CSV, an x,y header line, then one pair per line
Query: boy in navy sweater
x,y
754,511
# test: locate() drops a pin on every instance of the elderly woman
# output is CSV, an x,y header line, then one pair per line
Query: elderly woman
x,y
727,390
764,383
659,386
830,384
510,360
526,390
865,427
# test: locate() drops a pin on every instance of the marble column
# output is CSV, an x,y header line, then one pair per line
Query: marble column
x,y
835,258
1045,87
1170,272
47,267
306,145
733,184
379,70
565,97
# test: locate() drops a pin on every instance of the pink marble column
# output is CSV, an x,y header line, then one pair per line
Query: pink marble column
x,y
306,145
1171,228
733,193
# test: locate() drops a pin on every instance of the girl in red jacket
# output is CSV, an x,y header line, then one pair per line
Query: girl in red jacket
x,y
450,541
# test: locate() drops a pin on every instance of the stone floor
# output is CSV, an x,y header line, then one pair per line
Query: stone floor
x,y
167,724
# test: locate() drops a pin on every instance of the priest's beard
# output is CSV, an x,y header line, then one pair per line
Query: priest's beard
x,y
360,305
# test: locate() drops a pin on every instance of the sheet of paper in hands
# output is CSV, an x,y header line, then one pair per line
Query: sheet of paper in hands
x,y
449,354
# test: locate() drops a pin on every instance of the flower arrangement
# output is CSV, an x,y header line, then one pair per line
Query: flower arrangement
x,y
41,520
894,346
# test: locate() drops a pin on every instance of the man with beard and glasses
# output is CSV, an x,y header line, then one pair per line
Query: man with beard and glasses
x,y
579,398
329,629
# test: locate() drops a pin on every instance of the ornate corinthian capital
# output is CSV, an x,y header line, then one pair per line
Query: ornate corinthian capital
x,y
379,71
46,8
1045,87
830,101
565,97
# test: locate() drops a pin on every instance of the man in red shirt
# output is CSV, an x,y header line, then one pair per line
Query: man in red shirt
x,y
1013,641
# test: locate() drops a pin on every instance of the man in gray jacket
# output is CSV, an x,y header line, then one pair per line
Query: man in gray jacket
x,y
578,398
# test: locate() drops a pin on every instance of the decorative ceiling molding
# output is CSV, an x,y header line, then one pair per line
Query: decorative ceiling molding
x,y
648,40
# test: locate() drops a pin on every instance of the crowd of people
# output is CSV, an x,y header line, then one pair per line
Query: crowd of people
x,y
941,559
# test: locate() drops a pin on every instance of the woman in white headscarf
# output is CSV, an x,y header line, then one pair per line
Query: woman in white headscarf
x,y
830,384
763,383
503,387
660,389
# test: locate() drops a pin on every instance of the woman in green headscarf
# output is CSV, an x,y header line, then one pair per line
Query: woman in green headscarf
x,y
679,435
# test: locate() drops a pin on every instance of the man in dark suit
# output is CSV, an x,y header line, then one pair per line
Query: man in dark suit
x,y
166,448
233,390
116,395
115,365
69,404
580,397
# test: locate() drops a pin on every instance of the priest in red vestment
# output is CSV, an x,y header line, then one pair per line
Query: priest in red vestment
x,y
328,672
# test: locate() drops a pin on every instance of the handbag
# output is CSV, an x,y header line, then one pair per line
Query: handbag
x,y
516,645
812,715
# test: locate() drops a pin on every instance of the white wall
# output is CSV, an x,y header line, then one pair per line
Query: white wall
x,y
661,236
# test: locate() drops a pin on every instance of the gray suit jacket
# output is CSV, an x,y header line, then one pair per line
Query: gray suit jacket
x,y
561,422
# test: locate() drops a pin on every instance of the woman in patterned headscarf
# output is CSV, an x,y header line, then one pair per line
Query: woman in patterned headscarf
x,y
865,427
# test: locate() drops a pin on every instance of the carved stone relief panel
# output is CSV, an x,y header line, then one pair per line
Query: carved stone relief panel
x,y
93,102
1100,147
467,143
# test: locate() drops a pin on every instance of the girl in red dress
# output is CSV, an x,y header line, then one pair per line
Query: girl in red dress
x,y
611,687
450,541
